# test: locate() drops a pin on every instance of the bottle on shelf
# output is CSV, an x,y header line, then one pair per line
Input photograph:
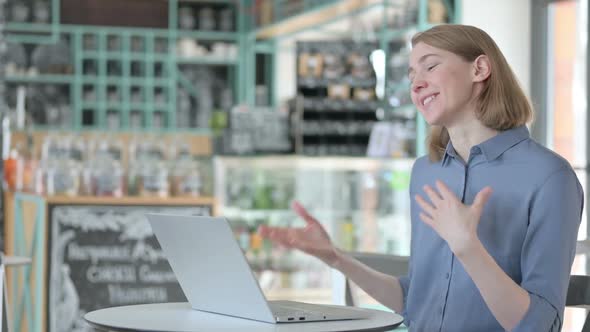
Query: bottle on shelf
x,y
152,171
106,172
186,177
347,234
26,168
10,170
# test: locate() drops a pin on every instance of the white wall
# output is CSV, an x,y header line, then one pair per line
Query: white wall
x,y
508,22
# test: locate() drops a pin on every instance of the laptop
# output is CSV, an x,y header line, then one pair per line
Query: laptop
x,y
216,277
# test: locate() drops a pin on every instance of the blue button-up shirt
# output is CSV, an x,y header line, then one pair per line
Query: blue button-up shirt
x,y
529,225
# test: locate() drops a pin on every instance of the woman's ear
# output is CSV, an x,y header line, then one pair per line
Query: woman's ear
x,y
481,68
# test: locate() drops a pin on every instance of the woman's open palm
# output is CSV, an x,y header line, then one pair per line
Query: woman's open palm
x,y
311,239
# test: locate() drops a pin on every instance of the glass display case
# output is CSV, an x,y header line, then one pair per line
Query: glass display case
x,y
363,203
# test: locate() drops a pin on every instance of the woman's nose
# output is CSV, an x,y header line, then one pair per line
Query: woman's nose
x,y
418,84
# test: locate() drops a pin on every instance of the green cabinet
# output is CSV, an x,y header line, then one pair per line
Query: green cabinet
x,y
120,78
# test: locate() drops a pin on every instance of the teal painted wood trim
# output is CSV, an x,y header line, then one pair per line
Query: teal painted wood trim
x,y
171,65
421,135
24,39
207,60
19,244
149,79
38,33
172,14
77,90
184,82
171,108
265,47
33,33
100,111
250,81
240,71
209,35
231,78
92,29
42,78
421,125
68,79
125,111
240,82
450,12
24,303
273,72
55,19
97,130
120,55
422,14
249,56
39,251
276,10
458,15
27,27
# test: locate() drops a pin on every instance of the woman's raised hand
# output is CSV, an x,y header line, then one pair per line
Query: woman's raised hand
x,y
311,239
454,221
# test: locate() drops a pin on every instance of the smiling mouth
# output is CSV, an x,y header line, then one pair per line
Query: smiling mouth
x,y
429,99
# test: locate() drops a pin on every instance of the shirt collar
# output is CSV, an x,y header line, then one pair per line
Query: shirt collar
x,y
449,153
495,146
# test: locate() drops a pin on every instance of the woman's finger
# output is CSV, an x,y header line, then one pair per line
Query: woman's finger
x,y
481,198
291,236
433,195
427,219
427,207
444,191
302,212
266,231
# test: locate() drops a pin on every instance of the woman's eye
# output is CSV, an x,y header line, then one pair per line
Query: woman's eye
x,y
431,67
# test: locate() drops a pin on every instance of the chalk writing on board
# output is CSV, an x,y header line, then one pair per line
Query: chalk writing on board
x,y
103,256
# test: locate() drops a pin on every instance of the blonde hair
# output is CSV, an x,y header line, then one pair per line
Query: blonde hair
x,y
502,104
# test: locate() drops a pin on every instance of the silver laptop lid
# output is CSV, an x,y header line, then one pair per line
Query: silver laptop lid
x,y
210,266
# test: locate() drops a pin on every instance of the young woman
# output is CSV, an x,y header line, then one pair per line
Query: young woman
x,y
494,214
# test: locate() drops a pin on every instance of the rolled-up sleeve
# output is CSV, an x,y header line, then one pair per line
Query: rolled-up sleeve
x,y
549,249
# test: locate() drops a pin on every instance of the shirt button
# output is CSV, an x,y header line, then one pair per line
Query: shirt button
x,y
447,276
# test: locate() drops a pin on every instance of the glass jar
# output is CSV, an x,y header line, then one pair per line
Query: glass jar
x,y
186,179
62,177
108,179
154,181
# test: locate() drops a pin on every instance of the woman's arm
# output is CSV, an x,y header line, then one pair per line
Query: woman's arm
x,y
382,287
457,224
536,304
314,240
507,301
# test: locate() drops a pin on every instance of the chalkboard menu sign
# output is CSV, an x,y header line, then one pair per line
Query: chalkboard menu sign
x,y
105,256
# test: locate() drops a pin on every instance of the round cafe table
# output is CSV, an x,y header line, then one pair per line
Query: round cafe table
x,y
180,317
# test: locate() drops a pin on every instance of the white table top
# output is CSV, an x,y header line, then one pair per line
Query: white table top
x,y
180,317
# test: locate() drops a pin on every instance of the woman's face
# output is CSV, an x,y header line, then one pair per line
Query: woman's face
x,y
441,84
